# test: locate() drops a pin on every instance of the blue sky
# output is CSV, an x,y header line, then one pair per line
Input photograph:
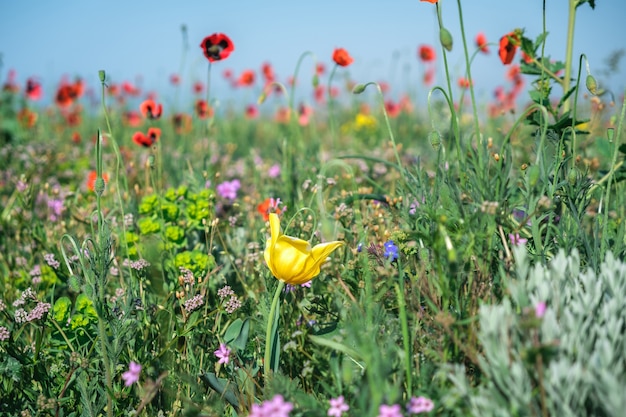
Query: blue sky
x,y
128,39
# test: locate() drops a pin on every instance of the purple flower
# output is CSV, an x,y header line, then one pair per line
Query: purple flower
x,y
419,405
274,171
389,411
228,189
132,375
223,353
56,209
516,240
540,309
391,250
276,407
337,407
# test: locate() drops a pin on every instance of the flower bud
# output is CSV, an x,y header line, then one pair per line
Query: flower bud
x,y
533,175
261,98
591,84
445,38
358,89
316,80
99,185
102,74
572,176
434,137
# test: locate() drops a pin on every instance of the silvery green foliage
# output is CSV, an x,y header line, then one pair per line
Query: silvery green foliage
x,y
570,362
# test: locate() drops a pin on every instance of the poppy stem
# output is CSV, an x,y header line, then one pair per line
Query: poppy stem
x,y
208,102
271,333
331,120
569,51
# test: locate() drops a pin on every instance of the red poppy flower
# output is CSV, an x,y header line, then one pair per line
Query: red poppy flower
x,y
130,89
270,205
320,68
132,118
147,140
198,87
508,47
268,72
182,123
174,79
74,117
91,179
33,89
527,58
464,83
203,110
150,109
393,109
246,78
217,47
430,1
27,117
429,76
342,57
426,53
481,43
67,93
252,112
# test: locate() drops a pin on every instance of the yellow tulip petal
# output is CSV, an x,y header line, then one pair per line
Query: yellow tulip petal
x,y
291,259
274,228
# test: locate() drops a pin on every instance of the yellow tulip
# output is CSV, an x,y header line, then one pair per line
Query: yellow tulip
x,y
292,260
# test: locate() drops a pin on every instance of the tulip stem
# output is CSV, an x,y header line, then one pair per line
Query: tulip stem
x,y
270,333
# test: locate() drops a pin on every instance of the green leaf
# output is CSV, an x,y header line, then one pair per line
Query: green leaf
x,y
222,387
242,338
237,334
540,39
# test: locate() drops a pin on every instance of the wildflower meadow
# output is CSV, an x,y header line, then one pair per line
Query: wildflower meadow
x,y
355,254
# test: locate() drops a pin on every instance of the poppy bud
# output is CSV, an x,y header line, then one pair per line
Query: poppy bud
x,y
102,75
445,38
262,98
572,177
434,137
99,186
316,80
358,89
591,84
533,175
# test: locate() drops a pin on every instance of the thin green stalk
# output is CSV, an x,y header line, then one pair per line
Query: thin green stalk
x,y
468,67
100,286
569,51
208,102
616,137
295,78
272,325
331,121
118,163
406,339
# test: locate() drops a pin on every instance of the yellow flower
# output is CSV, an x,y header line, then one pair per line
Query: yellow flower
x,y
292,260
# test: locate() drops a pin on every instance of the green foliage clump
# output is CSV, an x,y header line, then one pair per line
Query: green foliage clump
x,y
567,361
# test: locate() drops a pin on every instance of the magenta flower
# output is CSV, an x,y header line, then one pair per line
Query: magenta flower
x,y
337,407
132,375
276,407
228,189
419,405
274,171
540,309
516,240
389,411
223,353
